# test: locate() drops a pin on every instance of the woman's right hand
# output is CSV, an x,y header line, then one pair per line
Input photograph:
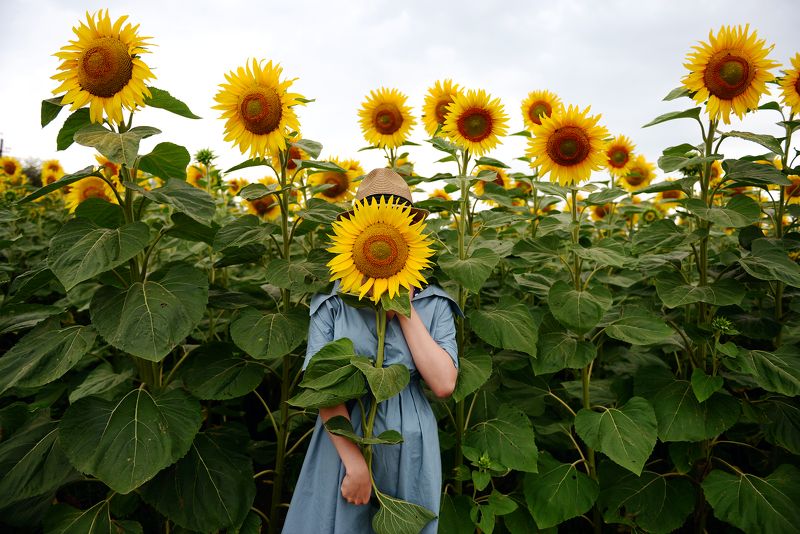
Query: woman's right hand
x,y
356,485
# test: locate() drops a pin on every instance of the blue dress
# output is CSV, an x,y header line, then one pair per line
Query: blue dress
x,y
411,470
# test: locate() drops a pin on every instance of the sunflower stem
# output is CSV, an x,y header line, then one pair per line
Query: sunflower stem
x,y
380,326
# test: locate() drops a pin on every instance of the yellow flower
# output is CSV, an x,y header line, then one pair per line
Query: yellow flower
x,y
475,122
342,183
295,154
434,110
11,171
89,187
717,172
195,173
650,215
599,211
619,156
103,68
51,171
639,175
404,167
538,104
257,108
267,207
236,184
792,192
386,120
379,247
109,168
501,178
667,199
729,72
568,145
790,85
441,194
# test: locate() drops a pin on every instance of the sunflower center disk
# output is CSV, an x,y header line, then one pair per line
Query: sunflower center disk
x,y
264,204
260,110
538,109
568,146
387,119
727,75
441,110
619,157
93,192
339,183
105,67
475,125
380,251
10,168
797,85
294,153
671,194
635,178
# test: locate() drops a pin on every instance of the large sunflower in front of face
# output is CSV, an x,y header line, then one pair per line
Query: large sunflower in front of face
x,y
539,104
386,120
258,108
103,68
640,174
568,145
89,187
730,72
379,247
434,110
475,121
619,156
500,178
342,184
267,207
790,85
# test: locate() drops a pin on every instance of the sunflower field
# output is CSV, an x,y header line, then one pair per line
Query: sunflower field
x,y
628,348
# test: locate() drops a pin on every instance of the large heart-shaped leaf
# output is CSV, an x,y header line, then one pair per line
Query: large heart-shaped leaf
x,y
81,249
473,371
674,291
184,197
384,382
740,210
578,310
64,519
642,328
471,272
777,371
149,319
117,147
561,350
557,492
125,443
507,438
768,261
341,426
167,160
217,371
396,516
510,327
162,99
244,230
266,336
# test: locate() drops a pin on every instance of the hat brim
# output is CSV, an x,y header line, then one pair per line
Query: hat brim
x,y
418,214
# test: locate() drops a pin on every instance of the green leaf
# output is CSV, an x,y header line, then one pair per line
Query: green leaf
x,y
51,107
740,211
184,227
341,426
561,350
184,197
604,196
81,249
64,519
454,514
484,160
557,492
626,434
384,382
254,162
660,235
782,422
101,212
312,148
44,354
777,371
767,141
653,502
162,99
605,252
125,443
14,317
581,310
77,121
506,439
244,230
32,463
471,272
330,378
473,371
673,163
643,328
251,525
678,92
58,184
320,166
510,327
768,261
214,371
117,147
166,160
149,319
749,172
693,113
754,504
674,291
257,190
211,488
400,517
400,304
703,385
268,336
100,380
305,274
321,211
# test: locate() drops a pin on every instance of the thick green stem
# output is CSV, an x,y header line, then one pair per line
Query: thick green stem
x,y
702,260
380,326
462,301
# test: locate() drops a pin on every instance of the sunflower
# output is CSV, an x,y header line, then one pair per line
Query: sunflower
x,y
619,156
651,215
343,183
639,176
538,104
790,85
379,247
89,187
717,172
729,72
434,110
195,173
441,194
257,108
568,145
404,167
386,120
236,184
52,169
792,192
475,122
108,167
11,170
103,68
295,154
668,199
599,211
267,207
501,178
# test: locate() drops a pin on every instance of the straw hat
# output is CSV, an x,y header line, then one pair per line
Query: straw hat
x,y
386,182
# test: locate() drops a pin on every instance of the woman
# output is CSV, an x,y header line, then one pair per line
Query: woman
x,y
333,491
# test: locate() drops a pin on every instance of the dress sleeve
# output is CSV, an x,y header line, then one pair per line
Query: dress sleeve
x,y
443,328
320,327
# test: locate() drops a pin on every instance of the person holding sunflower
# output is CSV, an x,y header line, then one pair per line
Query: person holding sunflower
x,y
379,246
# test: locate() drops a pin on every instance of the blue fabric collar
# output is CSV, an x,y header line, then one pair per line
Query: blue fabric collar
x,y
429,291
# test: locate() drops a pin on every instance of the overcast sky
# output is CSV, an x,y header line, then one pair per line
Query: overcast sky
x,y
619,56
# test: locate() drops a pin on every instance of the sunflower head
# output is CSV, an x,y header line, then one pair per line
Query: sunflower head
x,y
568,145
792,192
640,174
500,178
475,121
434,110
10,168
729,72
379,247
258,108
235,185
539,104
195,173
386,120
441,194
790,85
342,184
89,187
599,211
619,156
669,199
267,207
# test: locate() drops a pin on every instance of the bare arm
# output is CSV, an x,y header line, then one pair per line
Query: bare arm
x,y
356,485
431,360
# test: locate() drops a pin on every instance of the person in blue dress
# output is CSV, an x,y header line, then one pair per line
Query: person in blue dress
x,y
333,491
